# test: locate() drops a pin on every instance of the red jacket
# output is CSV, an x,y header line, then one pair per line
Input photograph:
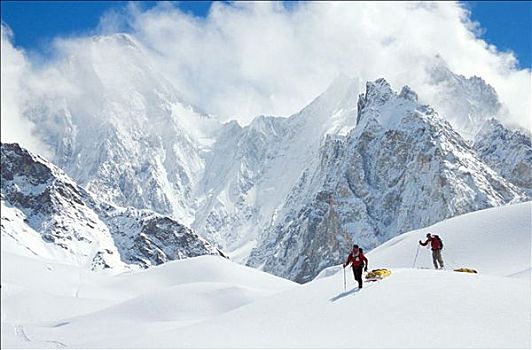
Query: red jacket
x,y
435,243
356,260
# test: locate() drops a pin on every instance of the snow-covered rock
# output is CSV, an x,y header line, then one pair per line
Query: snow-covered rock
x,y
508,152
45,213
252,169
402,167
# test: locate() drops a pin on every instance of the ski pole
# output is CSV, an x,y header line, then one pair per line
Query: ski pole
x,y
344,281
415,259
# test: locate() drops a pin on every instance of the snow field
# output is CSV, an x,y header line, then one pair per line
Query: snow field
x,y
210,302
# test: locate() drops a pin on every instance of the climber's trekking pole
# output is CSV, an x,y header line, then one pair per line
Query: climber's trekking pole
x,y
344,280
415,259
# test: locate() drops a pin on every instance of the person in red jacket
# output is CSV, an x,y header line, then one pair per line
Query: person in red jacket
x,y
358,262
436,245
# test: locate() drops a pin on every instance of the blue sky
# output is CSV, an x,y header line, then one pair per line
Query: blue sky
x,y
506,24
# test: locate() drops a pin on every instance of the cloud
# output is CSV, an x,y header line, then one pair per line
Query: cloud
x,y
247,59
14,67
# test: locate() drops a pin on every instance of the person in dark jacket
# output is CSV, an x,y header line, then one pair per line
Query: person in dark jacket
x,y
436,245
358,262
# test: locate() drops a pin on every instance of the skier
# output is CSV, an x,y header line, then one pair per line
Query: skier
x,y
436,245
358,262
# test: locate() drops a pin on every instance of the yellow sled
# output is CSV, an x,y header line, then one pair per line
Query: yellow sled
x,y
465,269
378,274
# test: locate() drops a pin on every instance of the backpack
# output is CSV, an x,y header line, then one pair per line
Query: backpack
x,y
439,241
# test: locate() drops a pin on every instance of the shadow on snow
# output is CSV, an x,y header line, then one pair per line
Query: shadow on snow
x,y
344,294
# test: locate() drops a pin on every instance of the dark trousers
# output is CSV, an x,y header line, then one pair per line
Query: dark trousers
x,y
436,258
357,271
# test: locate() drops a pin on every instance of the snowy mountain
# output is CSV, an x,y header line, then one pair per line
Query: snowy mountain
x,y
251,170
210,302
131,140
508,152
466,103
45,213
402,167
228,197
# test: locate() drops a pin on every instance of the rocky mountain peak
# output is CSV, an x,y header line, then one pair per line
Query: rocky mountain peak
x,y
408,94
402,167
380,93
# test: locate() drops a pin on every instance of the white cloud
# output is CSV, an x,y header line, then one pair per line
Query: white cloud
x,y
14,67
246,59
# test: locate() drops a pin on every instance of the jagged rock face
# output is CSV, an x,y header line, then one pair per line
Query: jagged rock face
x,y
54,207
43,210
145,238
507,152
401,168
251,169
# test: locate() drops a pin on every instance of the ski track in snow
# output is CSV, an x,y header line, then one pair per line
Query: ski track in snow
x,y
19,332
57,344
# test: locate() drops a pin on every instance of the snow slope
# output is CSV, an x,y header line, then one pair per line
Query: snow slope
x,y
51,298
208,302
494,241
